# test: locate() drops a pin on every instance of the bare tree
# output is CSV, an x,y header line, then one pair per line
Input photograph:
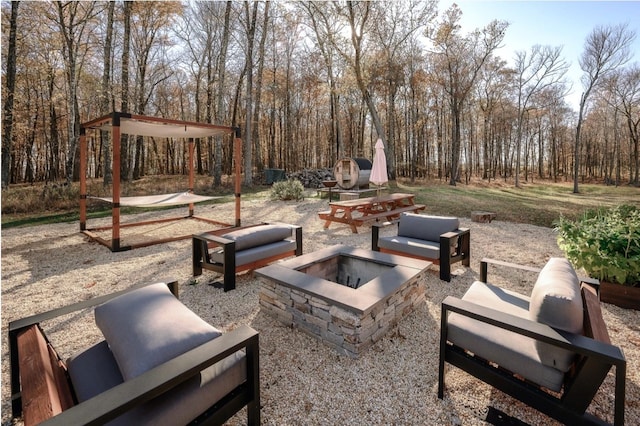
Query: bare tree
x,y
326,29
220,95
124,79
106,94
73,20
7,118
251,19
396,27
628,92
606,49
257,103
534,74
459,61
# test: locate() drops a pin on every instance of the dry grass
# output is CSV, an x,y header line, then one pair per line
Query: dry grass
x,y
539,203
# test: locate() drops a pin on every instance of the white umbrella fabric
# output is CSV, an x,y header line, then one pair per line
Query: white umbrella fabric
x,y
378,174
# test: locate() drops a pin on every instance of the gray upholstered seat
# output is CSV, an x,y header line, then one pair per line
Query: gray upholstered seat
x,y
525,346
159,328
244,248
515,352
159,364
255,254
435,238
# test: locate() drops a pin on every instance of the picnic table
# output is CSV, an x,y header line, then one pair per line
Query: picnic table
x,y
356,212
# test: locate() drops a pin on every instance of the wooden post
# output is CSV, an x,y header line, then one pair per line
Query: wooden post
x,y
83,179
238,159
191,174
115,215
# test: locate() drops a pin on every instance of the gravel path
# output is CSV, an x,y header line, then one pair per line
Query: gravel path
x,y
302,380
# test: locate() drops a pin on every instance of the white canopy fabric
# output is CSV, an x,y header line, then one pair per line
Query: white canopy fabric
x,y
131,126
378,174
162,200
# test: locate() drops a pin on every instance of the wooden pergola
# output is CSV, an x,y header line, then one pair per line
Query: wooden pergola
x,y
119,123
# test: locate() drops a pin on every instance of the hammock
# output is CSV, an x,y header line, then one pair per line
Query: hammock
x,y
175,199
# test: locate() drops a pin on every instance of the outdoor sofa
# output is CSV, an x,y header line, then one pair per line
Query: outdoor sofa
x,y
244,248
435,238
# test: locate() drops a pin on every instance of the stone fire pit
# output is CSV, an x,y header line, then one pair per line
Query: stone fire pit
x,y
347,297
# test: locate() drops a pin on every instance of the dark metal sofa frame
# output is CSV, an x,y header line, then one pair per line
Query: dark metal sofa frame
x,y
202,260
596,357
462,253
157,381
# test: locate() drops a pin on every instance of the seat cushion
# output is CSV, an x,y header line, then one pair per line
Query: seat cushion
x,y
185,402
557,302
149,326
260,235
424,227
510,350
255,254
412,246
93,371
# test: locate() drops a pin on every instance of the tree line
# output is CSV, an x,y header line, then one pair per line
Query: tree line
x,y
309,83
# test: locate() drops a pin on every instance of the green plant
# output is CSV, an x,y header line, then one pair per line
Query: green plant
x,y
605,242
287,190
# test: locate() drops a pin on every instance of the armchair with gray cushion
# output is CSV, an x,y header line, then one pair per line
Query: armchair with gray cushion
x,y
159,363
234,250
550,350
435,238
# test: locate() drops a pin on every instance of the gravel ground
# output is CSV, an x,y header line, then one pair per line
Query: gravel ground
x,y
302,380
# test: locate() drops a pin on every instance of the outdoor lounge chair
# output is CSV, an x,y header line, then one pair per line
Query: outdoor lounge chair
x,y
551,350
159,363
434,238
244,248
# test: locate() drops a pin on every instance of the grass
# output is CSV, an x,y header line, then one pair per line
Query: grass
x,y
539,203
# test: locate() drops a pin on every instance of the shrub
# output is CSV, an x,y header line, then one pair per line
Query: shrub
x,y
287,190
605,242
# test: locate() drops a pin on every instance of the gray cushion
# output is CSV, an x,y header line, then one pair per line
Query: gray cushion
x,y
149,326
93,371
255,236
426,227
510,350
186,401
412,246
255,254
557,302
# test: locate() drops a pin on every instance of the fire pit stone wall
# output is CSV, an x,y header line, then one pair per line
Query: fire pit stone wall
x,y
347,319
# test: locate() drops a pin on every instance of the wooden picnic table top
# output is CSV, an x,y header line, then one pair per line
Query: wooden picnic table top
x,y
368,201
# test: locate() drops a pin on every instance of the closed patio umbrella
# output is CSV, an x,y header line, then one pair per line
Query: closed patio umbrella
x,y
378,174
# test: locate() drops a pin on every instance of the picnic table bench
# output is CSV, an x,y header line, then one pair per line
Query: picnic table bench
x,y
368,209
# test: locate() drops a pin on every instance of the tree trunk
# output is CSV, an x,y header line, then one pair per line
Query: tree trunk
x,y
106,96
7,118
222,61
258,161
124,102
248,142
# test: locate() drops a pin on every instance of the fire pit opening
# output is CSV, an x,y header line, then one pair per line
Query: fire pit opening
x,y
347,270
348,298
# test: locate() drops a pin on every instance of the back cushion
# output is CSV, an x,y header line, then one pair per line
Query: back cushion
x,y
425,227
149,326
557,302
255,236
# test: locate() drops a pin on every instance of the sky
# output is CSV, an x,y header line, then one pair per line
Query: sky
x,y
554,23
